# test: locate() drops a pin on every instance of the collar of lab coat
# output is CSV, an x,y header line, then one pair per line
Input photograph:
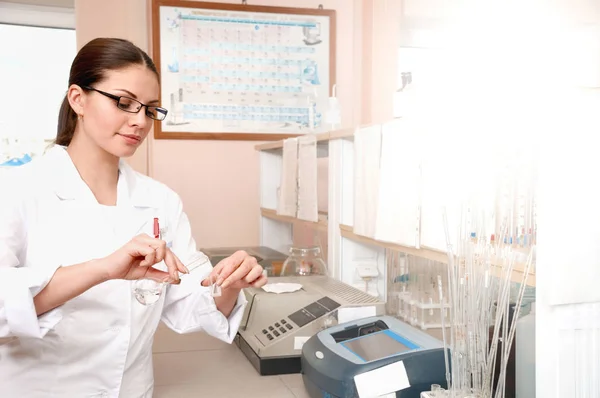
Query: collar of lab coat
x,y
132,189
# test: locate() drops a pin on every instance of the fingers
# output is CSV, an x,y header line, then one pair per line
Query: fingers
x,y
248,273
227,266
138,249
241,272
151,249
180,267
255,273
213,277
226,269
174,265
154,251
157,275
260,282
161,251
160,246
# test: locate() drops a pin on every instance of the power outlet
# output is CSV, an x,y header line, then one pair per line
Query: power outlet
x,y
367,271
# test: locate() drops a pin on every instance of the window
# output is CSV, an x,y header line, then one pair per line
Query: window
x,y
34,73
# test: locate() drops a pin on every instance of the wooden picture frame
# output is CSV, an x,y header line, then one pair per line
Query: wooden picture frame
x,y
256,68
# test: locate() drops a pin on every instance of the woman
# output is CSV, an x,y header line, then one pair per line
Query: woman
x,y
76,230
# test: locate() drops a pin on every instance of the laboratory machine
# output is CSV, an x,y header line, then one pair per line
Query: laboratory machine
x,y
271,260
275,325
333,357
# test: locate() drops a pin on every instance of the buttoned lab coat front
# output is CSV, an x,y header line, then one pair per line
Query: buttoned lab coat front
x,y
98,344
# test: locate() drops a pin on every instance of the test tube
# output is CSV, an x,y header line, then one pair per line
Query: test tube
x,y
215,290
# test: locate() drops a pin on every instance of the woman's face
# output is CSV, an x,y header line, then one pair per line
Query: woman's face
x,y
116,131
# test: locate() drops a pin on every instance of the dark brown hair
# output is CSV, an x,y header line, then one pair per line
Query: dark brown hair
x,y
90,67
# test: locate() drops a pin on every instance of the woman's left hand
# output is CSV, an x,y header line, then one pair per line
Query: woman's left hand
x,y
237,271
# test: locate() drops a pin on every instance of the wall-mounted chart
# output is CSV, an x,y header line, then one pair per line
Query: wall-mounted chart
x,y
242,72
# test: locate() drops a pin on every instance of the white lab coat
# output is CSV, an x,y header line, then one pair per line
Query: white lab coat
x,y
100,343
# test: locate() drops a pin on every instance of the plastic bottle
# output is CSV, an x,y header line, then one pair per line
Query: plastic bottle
x,y
334,114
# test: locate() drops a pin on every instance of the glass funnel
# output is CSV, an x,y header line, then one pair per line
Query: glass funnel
x,y
304,261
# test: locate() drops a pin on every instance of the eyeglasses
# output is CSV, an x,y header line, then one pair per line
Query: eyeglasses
x,y
133,106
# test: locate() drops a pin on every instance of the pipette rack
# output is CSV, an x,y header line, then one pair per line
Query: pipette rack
x,y
412,290
446,394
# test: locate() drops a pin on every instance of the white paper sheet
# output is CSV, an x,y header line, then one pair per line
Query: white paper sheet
x,y
307,178
299,342
382,381
398,211
288,191
349,314
282,287
441,188
367,154
583,316
568,207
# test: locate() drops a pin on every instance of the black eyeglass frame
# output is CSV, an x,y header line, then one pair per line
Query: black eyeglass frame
x,y
118,99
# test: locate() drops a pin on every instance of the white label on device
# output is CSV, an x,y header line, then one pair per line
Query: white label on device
x,y
353,313
381,381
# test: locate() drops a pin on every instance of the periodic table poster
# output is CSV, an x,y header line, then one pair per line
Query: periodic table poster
x,y
243,72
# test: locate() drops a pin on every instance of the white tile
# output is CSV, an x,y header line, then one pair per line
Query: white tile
x,y
213,370
293,380
228,390
279,392
299,392
166,340
206,367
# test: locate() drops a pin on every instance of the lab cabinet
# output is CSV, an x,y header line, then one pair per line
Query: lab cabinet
x,y
335,175
347,251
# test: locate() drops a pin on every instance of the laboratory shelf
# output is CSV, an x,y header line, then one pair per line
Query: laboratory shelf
x,y
277,231
321,137
346,250
347,232
272,214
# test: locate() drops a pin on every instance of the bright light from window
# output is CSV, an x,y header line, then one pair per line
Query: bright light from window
x,y
34,74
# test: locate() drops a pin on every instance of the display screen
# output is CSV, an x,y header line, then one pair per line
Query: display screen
x,y
379,345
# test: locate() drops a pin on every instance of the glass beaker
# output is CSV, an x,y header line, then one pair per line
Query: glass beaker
x,y
304,261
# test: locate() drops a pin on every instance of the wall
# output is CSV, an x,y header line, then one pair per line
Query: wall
x,y
218,180
379,21
115,18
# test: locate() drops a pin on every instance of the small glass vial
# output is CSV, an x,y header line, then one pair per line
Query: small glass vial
x,y
303,262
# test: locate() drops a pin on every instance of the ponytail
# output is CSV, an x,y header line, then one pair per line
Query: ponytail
x,y
67,119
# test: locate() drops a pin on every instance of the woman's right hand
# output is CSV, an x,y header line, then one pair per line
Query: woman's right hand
x,y
135,260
